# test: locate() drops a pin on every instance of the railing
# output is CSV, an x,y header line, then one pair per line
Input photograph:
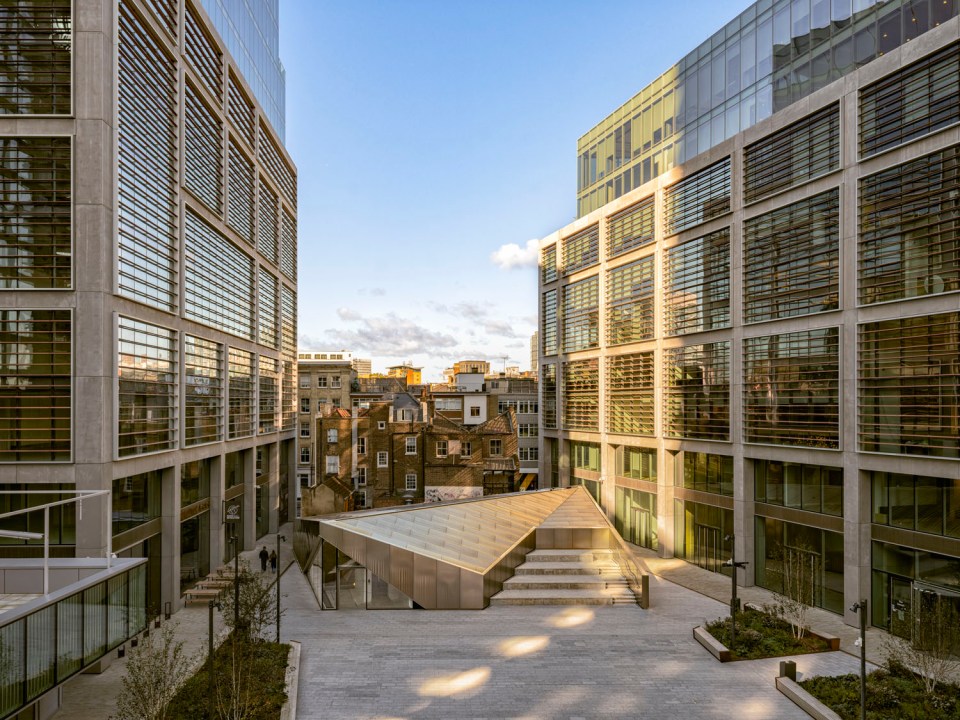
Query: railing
x,y
637,580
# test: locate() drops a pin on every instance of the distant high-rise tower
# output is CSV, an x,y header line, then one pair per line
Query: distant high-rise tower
x,y
534,351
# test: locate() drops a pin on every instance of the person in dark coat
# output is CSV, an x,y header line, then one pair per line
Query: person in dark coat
x,y
263,559
273,561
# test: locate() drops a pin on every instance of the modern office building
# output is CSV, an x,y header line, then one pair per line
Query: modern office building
x,y
149,286
753,329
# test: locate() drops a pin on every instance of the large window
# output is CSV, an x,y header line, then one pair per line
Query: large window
x,y
147,396
239,192
630,302
581,395
899,572
269,383
696,391
801,556
916,502
585,456
548,264
268,228
792,258
581,250
218,280
241,422
798,153
630,228
35,212
698,198
548,317
704,472
147,175
912,102
635,517
813,488
581,315
696,285
203,395
35,385
908,380
267,331
790,388
136,500
700,534
35,65
909,236
548,389
194,481
637,463
203,145
630,394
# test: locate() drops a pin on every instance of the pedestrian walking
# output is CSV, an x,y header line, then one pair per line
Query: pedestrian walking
x,y
273,561
263,559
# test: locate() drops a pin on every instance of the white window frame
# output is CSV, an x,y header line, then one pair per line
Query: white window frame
x,y
407,444
475,411
304,429
498,444
361,446
362,498
381,425
466,449
322,381
410,476
305,381
332,435
304,406
332,464
335,382
441,448
361,477
304,456
383,459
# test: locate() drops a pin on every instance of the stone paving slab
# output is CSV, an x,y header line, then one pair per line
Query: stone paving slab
x,y
532,662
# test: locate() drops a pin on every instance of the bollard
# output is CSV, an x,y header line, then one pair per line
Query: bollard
x,y
788,668
645,591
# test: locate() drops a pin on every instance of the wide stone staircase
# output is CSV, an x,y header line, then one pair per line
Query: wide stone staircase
x,y
566,577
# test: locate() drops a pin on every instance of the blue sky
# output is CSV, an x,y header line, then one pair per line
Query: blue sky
x,y
434,139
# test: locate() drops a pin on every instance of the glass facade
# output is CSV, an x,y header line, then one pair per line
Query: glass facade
x,y
548,322
35,385
908,379
700,534
194,481
900,572
636,463
267,330
203,394
548,392
631,228
791,263
581,250
635,517
773,54
241,393
791,389
696,285
585,456
696,391
267,229
813,488
35,213
147,393
269,382
203,140
239,192
63,518
202,53
194,550
697,198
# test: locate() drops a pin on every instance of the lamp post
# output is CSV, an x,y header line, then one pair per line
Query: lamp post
x,y
211,689
236,583
734,603
280,538
861,608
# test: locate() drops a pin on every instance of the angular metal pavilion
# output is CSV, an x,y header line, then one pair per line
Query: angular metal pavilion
x,y
456,555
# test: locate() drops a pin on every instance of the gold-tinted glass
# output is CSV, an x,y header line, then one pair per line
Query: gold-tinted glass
x,y
581,395
696,391
630,393
36,40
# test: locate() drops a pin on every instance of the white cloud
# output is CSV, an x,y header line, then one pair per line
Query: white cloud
x,y
389,336
348,314
511,255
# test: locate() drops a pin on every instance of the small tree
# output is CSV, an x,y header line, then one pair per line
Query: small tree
x,y
234,694
931,646
801,571
155,671
258,605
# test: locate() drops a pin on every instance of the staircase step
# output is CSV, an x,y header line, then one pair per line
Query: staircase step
x,y
563,597
567,568
570,555
564,582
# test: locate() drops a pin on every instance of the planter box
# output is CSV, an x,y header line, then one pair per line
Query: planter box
x,y
833,642
716,648
292,681
804,700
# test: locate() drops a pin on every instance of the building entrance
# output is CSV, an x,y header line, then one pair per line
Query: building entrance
x,y
706,550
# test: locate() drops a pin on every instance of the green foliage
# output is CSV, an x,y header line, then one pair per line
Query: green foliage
x,y
760,635
154,671
263,668
894,692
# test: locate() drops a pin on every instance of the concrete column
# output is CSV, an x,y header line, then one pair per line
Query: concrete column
x,y
217,481
170,537
273,488
248,461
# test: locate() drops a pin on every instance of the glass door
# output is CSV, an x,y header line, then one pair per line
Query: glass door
x,y
707,548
